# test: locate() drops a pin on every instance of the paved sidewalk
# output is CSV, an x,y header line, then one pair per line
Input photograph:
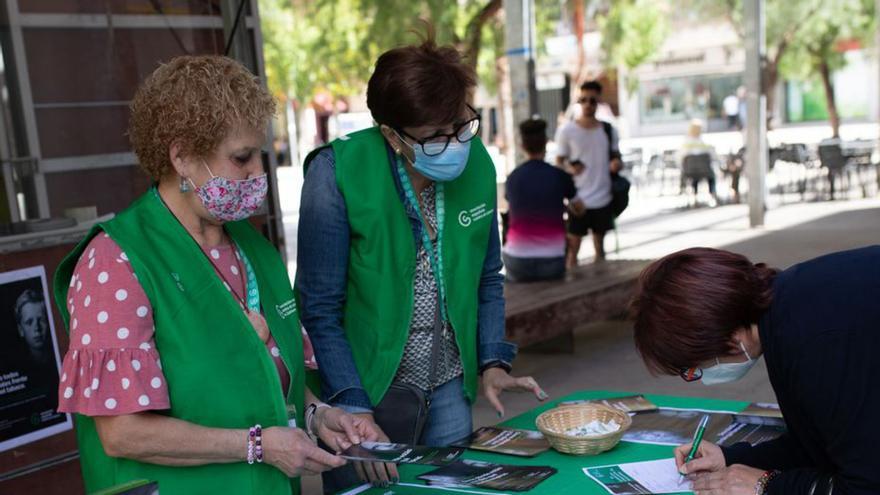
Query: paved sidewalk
x,y
791,233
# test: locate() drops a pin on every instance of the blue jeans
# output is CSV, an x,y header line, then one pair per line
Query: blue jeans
x,y
449,420
449,417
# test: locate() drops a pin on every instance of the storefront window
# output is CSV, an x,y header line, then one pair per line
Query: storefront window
x,y
805,100
683,98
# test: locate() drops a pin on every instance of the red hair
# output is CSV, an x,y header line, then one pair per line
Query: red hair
x,y
688,305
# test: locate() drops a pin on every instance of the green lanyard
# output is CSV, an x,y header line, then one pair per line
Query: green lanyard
x,y
253,290
434,257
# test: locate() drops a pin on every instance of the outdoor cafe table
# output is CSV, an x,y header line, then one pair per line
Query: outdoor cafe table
x,y
570,479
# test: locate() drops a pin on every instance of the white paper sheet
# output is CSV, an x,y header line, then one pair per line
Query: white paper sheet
x,y
367,486
640,477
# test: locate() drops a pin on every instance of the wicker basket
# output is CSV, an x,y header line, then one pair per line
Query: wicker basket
x,y
555,422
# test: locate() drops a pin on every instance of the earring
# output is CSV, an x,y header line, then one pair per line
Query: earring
x,y
184,185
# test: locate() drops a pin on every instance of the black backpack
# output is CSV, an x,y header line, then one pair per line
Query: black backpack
x,y
619,184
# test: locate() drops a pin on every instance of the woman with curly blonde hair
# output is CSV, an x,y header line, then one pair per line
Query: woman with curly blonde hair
x,y
181,274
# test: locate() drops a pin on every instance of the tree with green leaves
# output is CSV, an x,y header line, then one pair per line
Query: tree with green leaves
x,y
801,36
817,49
331,45
632,32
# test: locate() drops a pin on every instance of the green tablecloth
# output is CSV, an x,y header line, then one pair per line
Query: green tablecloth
x,y
570,480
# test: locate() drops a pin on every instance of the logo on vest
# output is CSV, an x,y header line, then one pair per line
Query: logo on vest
x,y
475,214
176,278
286,309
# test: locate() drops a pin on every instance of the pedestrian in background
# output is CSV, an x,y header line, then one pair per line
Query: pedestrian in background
x,y
588,149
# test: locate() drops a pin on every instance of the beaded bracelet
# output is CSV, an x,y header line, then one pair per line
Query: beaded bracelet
x,y
764,480
258,443
252,433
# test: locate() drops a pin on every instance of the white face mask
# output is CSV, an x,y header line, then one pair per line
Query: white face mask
x,y
727,372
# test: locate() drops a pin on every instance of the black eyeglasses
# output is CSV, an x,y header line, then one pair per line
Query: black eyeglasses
x,y
591,100
691,374
437,144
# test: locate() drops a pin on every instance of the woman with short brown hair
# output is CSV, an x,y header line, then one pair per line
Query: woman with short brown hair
x,y
399,258
708,314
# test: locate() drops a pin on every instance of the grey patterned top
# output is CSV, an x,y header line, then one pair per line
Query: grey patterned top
x,y
415,367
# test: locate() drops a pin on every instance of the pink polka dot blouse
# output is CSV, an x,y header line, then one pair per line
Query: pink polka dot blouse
x,y
112,366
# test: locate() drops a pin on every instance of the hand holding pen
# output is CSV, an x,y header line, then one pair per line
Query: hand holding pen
x,y
695,443
699,455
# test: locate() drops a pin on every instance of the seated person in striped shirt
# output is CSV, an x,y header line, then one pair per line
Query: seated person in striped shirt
x,y
536,193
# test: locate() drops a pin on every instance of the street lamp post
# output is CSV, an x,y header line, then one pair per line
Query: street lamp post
x,y
756,111
519,36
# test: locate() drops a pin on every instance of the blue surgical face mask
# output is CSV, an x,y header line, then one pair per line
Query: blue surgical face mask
x,y
446,166
727,372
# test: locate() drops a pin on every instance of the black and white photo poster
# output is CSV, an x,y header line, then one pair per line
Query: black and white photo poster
x,y
29,360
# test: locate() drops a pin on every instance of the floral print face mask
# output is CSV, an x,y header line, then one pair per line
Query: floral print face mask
x,y
230,200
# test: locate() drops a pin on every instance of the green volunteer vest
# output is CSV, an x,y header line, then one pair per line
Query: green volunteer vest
x,y
382,257
218,372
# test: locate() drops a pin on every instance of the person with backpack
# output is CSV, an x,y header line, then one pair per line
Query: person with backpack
x,y
587,147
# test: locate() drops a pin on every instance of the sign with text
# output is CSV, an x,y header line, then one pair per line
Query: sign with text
x,y
29,361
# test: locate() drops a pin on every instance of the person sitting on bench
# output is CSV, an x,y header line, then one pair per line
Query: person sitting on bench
x,y
536,193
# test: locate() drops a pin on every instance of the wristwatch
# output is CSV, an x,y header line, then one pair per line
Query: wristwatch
x,y
310,417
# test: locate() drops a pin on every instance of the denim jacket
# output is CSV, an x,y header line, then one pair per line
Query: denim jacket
x,y
321,279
